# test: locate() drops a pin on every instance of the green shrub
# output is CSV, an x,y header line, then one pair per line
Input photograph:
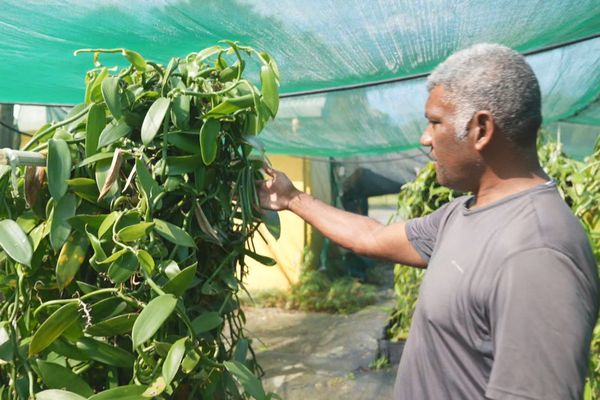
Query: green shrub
x,y
122,261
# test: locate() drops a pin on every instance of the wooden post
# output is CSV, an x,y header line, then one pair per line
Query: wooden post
x,y
8,137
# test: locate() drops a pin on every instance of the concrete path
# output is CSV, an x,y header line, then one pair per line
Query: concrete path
x,y
314,356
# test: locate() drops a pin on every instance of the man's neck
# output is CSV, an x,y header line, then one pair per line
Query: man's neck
x,y
495,186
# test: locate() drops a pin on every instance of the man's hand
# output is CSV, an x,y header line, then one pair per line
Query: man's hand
x,y
276,193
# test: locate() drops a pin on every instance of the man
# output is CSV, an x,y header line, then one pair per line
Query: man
x,y
510,296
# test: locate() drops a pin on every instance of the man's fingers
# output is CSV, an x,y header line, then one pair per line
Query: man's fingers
x,y
267,168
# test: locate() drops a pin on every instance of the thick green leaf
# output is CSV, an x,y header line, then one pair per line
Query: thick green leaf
x,y
191,359
96,157
122,268
180,111
156,387
231,105
135,232
84,188
147,183
206,322
59,167
130,392
56,394
268,261
154,118
270,89
56,376
53,327
107,223
136,59
102,174
184,142
209,134
96,122
112,96
146,261
272,222
113,326
247,379
114,257
182,281
71,256
173,360
108,308
241,350
152,317
14,242
105,353
91,221
179,165
173,233
60,227
113,132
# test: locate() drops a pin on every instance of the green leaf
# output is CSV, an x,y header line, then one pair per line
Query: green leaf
x,y
184,142
105,353
231,105
102,174
96,122
59,167
191,359
96,157
71,256
122,268
92,221
241,351
154,118
173,360
270,89
173,233
209,134
53,327
84,188
114,257
272,222
182,281
268,261
156,387
135,232
130,392
179,165
152,318
136,59
60,227
147,184
14,242
146,261
56,394
206,322
107,223
180,111
251,383
112,96
113,132
114,326
56,376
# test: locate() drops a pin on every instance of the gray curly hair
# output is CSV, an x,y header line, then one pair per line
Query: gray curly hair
x,y
495,78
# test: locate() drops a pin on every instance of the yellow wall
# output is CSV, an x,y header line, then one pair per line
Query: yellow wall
x,y
287,251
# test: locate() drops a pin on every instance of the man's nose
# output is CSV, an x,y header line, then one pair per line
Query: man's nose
x,y
425,138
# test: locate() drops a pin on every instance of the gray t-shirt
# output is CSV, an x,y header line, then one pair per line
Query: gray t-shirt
x,y
508,303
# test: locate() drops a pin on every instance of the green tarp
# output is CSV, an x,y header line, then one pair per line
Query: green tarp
x,y
319,44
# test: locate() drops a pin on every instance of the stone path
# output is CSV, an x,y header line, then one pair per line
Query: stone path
x,y
313,356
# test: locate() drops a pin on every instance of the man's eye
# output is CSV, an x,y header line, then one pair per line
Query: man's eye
x,y
434,122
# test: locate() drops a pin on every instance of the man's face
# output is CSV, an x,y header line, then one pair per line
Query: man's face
x,y
456,161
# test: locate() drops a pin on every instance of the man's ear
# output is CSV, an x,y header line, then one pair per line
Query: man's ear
x,y
483,126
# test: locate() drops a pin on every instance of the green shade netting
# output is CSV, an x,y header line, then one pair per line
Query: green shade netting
x,y
318,44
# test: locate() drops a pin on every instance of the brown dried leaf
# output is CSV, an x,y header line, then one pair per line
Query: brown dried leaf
x,y
204,224
34,180
113,173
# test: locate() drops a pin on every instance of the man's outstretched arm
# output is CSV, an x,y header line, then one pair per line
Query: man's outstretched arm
x,y
358,233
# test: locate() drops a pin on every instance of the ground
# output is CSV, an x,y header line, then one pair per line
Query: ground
x,y
322,356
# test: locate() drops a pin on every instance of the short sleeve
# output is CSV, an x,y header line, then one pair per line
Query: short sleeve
x,y
422,232
542,313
